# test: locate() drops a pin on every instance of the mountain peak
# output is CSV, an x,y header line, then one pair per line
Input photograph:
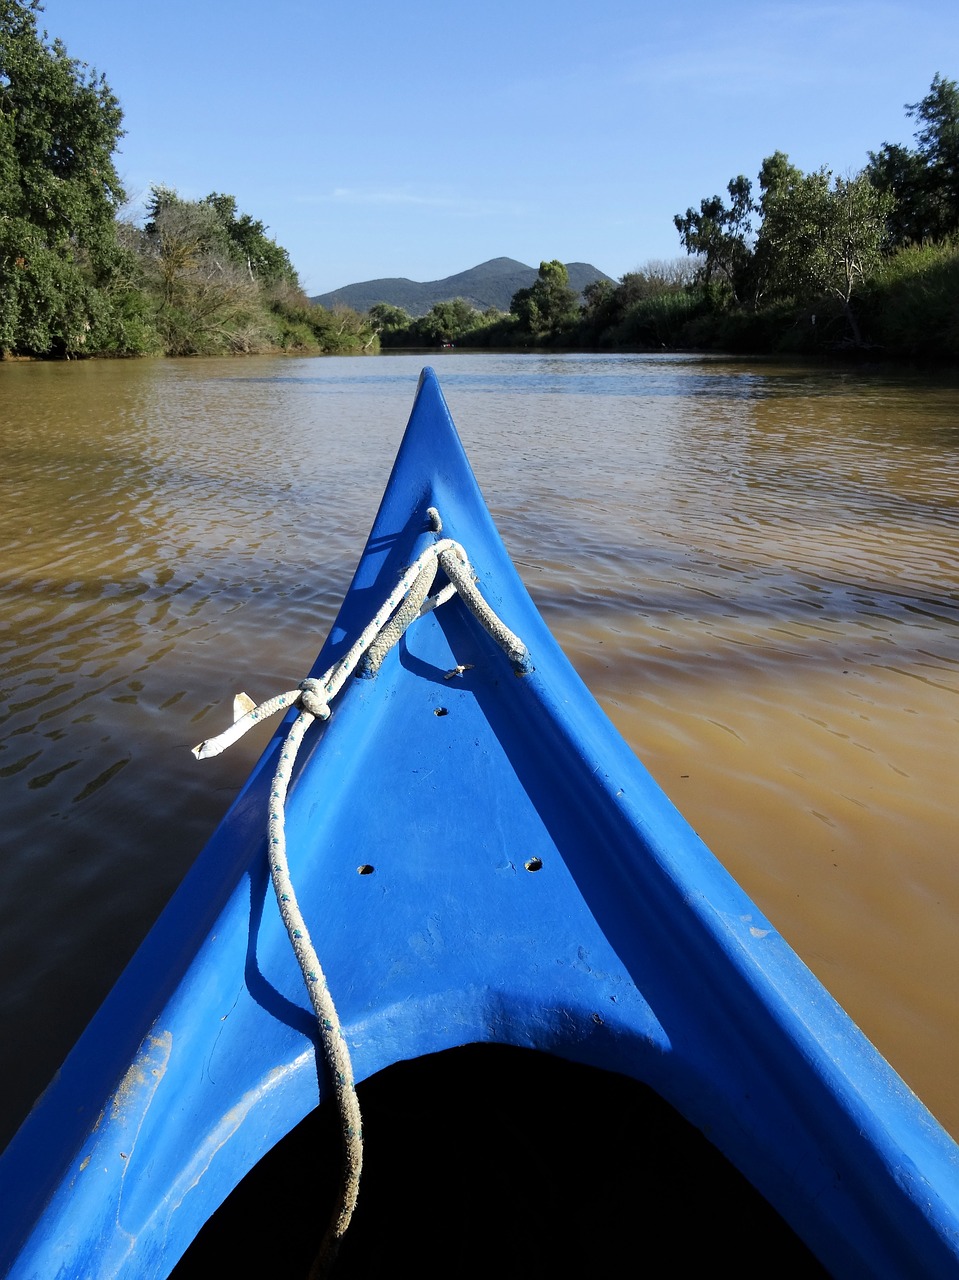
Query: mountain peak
x,y
490,284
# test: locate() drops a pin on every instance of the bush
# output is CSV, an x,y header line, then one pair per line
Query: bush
x,y
659,320
911,306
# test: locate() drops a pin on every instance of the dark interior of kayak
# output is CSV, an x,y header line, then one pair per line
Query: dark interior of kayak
x,y
492,1158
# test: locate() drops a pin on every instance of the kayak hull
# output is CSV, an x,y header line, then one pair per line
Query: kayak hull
x,y
481,859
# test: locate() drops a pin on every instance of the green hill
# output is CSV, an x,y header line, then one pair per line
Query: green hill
x,y
491,284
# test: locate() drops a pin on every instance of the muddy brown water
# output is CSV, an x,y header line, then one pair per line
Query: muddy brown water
x,y
754,566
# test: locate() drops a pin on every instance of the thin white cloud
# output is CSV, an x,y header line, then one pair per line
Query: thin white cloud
x,y
463,206
394,195
758,48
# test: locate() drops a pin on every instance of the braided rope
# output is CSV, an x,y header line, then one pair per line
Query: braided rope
x,y
408,610
459,571
409,599
335,1050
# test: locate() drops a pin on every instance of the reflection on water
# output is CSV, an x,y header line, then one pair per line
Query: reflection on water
x,y
753,566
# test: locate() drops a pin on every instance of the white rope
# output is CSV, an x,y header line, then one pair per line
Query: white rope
x,y
315,695
408,600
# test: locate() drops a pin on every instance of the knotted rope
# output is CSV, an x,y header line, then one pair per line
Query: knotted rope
x,y
409,599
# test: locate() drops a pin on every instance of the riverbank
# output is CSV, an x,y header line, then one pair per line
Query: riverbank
x,y
906,311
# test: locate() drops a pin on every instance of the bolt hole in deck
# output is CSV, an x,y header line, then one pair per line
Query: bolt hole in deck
x,y
441,711
534,864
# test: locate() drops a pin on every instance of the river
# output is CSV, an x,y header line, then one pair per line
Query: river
x,y
754,566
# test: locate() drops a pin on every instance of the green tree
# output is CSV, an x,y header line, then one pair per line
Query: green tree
x,y
301,325
924,183
448,321
212,272
59,191
549,307
721,236
600,308
777,176
206,300
819,237
265,260
902,175
658,291
387,318
219,230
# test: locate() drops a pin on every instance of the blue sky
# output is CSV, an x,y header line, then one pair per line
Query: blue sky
x,y
419,139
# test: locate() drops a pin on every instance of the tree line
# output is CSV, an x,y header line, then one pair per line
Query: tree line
x,y
795,261
850,256
77,278
798,261
543,313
